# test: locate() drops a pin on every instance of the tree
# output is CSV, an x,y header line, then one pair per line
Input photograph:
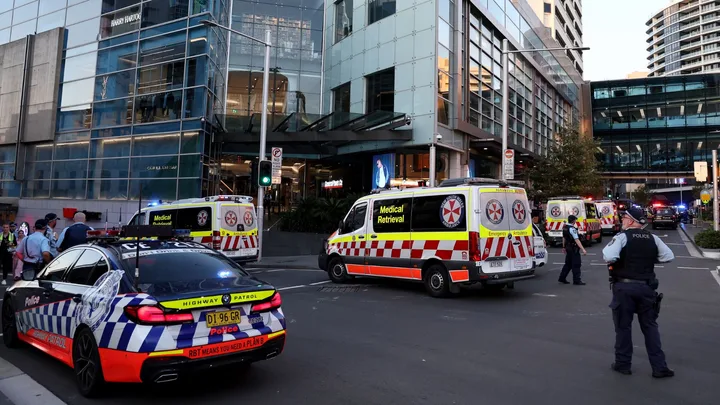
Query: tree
x,y
641,195
570,167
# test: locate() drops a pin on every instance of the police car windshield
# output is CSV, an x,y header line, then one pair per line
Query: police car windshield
x,y
177,267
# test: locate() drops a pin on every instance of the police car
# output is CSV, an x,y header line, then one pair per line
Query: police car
x,y
191,308
466,231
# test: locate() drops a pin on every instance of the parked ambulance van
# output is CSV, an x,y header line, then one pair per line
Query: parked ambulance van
x,y
609,220
588,221
465,231
226,223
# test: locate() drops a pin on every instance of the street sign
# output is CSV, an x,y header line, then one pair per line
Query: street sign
x,y
509,164
701,171
705,196
276,165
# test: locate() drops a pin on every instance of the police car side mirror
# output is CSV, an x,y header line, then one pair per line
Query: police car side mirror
x,y
28,275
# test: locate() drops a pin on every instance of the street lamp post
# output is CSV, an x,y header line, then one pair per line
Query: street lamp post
x,y
263,120
505,91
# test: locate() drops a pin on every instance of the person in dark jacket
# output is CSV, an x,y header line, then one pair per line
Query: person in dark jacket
x,y
75,234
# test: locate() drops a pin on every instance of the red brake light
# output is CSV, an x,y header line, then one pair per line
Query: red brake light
x,y
145,314
275,302
216,240
474,247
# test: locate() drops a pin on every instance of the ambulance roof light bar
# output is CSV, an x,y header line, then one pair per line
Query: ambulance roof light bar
x,y
473,181
567,197
384,190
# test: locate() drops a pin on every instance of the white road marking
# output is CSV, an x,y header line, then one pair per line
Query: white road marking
x,y
291,287
275,270
674,244
321,282
694,268
715,274
598,264
558,263
545,295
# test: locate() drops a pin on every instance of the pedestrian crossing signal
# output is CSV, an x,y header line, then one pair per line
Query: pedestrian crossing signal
x,y
264,173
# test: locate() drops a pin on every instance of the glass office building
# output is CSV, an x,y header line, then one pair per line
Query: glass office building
x,y
656,126
140,87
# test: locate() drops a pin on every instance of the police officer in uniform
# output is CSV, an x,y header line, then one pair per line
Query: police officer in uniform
x,y
631,258
35,248
572,248
51,220
75,234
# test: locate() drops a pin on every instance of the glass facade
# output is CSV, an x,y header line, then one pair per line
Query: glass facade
x,y
656,124
142,84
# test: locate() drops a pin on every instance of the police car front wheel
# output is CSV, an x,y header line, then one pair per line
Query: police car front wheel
x,y
9,324
86,359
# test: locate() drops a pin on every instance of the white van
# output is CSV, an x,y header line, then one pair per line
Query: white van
x,y
464,231
226,223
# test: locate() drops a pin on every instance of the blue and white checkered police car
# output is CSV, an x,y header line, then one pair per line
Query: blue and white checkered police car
x,y
190,308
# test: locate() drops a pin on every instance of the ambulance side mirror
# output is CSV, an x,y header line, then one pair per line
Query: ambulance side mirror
x,y
341,224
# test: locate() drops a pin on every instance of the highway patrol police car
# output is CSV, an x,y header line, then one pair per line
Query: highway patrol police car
x,y
226,223
464,231
191,308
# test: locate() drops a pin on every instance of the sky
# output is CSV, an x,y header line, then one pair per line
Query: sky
x,y
615,32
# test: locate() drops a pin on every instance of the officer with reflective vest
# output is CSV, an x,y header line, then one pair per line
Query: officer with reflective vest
x,y
572,248
631,258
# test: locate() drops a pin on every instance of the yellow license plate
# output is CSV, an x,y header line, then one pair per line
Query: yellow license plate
x,y
221,318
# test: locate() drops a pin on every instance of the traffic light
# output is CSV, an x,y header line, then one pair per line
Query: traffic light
x,y
264,173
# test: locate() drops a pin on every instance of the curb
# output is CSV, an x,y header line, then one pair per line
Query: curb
x,y
20,389
692,240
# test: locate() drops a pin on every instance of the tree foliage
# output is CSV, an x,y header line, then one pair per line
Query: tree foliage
x,y
570,167
641,195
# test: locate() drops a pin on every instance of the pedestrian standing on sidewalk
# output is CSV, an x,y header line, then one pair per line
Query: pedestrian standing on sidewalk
x,y
572,248
17,257
8,243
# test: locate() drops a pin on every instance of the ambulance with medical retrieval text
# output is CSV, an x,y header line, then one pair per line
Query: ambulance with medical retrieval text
x,y
226,223
463,232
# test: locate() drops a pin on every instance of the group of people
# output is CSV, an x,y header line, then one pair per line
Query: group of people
x,y
20,252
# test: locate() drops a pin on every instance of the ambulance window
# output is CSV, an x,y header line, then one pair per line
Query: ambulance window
x,y
138,219
196,219
590,211
392,215
439,213
355,219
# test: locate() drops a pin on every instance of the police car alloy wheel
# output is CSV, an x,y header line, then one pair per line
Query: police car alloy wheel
x,y
437,282
86,359
9,324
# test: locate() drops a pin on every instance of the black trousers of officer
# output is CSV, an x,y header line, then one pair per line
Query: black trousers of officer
x,y
6,260
629,299
572,262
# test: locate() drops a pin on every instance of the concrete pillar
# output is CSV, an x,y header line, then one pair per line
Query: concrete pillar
x,y
455,166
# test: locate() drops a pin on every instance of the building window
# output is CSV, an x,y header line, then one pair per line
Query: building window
x,y
343,19
547,8
341,98
379,9
381,91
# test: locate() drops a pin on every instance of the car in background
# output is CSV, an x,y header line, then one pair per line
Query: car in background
x,y
665,217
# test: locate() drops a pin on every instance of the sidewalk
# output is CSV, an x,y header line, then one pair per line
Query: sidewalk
x,y
18,388
691,230
288,262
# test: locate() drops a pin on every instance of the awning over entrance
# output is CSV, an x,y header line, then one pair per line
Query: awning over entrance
x,y
319,131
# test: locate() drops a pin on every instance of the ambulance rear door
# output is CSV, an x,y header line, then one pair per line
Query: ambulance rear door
x,y
238,229
505,230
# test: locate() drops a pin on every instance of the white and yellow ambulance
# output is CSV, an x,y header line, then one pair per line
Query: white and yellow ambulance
x,y
465,231
588,220
609,219
226,223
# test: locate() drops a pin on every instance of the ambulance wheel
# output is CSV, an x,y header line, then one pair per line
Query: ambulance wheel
x,y
9,324
437,281
338,272
86,361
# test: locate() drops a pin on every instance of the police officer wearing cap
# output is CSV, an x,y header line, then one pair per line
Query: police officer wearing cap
x,y
572,248
51,220
35,248
631,258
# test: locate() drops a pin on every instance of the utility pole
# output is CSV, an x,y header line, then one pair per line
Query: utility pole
x,y
716,226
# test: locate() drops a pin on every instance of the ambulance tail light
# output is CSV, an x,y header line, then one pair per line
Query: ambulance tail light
x,y
474,246
151,315
275,302
216,240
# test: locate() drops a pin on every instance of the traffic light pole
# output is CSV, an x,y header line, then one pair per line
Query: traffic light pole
x,y
716,225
